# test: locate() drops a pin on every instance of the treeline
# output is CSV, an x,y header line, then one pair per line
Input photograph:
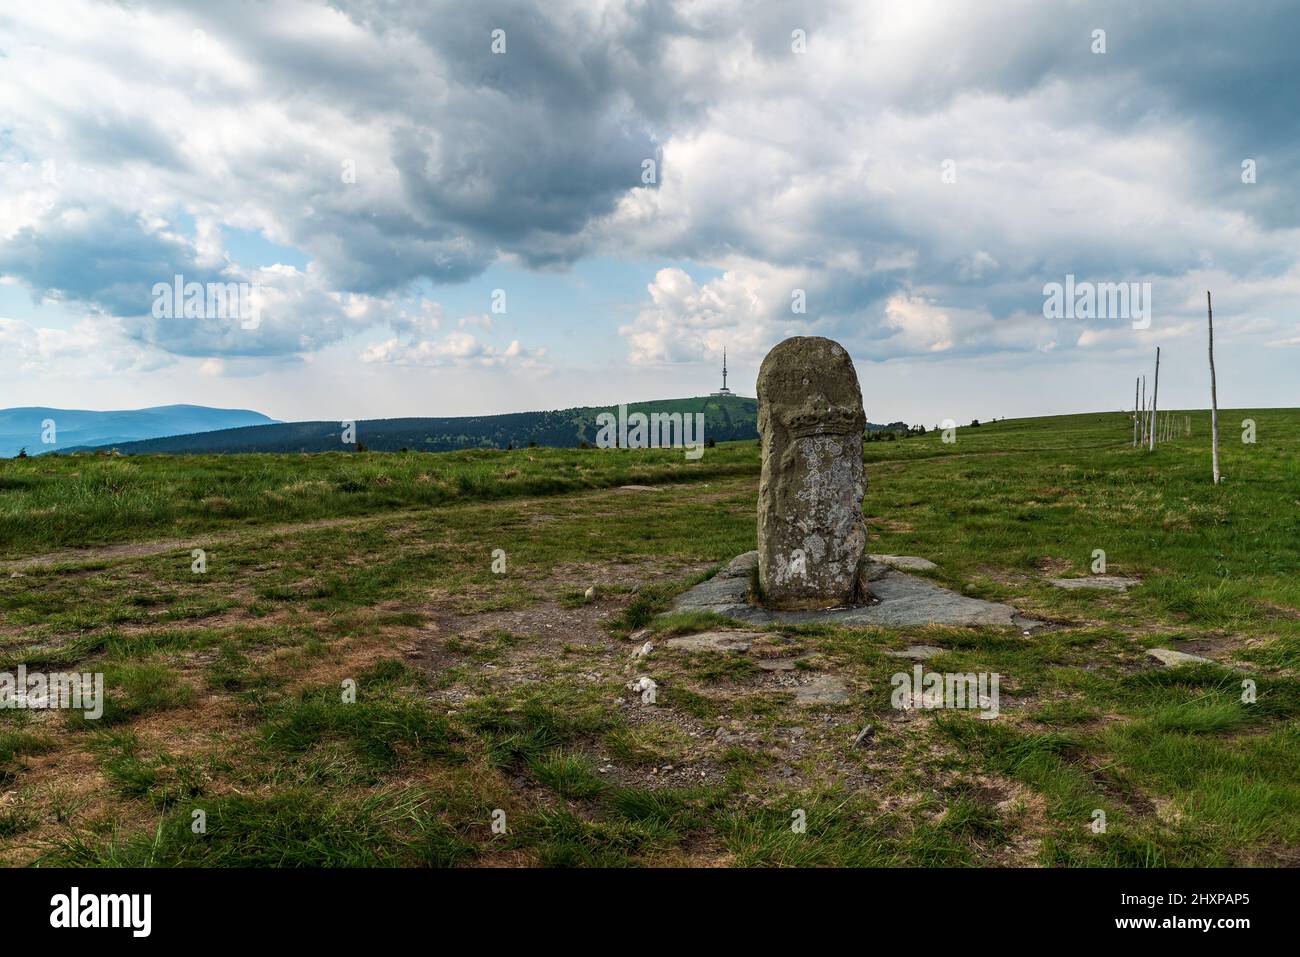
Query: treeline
x,y
727,418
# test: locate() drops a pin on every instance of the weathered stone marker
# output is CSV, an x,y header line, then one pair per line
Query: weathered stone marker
x,y
811,534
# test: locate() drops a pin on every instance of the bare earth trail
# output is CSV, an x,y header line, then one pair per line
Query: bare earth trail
x,y
245,533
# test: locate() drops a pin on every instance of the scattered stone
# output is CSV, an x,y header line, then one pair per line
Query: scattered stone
x,y
906,563
644,683
716,641
811,533
823,690
1168,656
639,635
864,735
637,488
917,652
776,664
1107,582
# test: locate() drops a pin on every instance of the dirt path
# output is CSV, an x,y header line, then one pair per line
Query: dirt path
x,y
126,550
146,549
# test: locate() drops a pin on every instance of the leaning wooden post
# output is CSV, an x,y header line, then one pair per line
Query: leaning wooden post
x,y
1214,392
1155,391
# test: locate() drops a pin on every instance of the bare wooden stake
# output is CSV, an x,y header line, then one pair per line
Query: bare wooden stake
x,y
1155,389
1142,438
1136,412
1214,392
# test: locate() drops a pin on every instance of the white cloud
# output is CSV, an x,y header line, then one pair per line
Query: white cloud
x,y
132,143
457,348
742,310
920,324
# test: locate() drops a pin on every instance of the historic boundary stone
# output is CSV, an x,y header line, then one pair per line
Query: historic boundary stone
x,y
811,533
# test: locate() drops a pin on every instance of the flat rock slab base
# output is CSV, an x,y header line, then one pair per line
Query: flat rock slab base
x,y
902,599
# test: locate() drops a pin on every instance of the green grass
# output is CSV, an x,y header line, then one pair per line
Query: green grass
x,y
56,501
377,731
225,688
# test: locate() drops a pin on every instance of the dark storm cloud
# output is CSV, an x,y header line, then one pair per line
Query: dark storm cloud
x,y
824,164
100,255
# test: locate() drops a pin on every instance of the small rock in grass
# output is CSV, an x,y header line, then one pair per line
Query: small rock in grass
x,y
590,593
715,641
907,563
1106,582
864,735
823,690
918,652
1168,656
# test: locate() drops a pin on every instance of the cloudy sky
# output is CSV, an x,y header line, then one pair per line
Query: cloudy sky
x,y
589,205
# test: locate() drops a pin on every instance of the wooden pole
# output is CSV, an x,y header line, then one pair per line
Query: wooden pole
x,y
1214,392
1142,438
1155,391
1136,412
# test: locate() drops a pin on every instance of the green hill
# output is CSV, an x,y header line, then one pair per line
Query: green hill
x,y
725,418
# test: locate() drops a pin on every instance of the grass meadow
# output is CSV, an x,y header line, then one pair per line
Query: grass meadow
x,y
492,724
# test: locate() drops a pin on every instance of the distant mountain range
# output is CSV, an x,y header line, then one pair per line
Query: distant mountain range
x,y
725,418
181,429
26,428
